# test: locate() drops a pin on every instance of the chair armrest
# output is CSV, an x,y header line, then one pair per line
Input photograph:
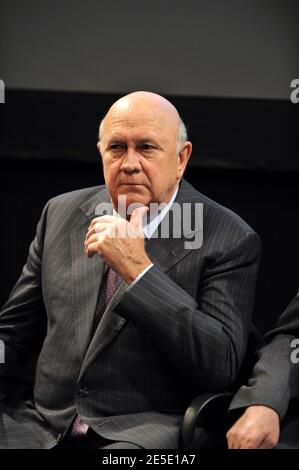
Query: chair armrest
x,y
203,409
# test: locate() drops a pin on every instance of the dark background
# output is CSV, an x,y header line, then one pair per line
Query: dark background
x,y
226,66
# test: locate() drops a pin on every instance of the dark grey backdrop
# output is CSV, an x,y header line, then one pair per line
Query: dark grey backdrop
x,y
242,48
226,65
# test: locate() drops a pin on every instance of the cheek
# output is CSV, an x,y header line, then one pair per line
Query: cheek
x,y
160,173
110,170
168,171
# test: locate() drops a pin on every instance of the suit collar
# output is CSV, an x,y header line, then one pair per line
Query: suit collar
x,y
98,201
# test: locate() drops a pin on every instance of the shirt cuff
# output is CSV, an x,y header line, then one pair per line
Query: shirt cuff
x,y
139,276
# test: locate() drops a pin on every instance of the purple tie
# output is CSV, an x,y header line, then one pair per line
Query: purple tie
x,y
108,288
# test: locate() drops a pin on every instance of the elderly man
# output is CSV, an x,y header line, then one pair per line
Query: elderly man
x,y
130,321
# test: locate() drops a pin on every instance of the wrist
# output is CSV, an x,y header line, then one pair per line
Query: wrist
x,y
135,271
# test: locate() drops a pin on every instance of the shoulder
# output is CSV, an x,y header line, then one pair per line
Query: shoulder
x,y
223,229
71,208
79,196
214,213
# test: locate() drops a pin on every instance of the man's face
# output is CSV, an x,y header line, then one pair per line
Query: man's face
x,y
140,155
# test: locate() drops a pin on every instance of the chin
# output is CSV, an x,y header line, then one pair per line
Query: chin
x,y
135,198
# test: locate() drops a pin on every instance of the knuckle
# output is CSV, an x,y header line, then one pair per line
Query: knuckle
x,y
250,441
270,441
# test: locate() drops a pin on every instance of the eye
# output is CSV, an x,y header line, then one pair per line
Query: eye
x,y
116,146
145,146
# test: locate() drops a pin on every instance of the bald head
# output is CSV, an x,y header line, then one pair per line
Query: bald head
x,y
148,106
144,148
146,100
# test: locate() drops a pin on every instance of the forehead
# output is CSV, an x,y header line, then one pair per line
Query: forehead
x,y
137,122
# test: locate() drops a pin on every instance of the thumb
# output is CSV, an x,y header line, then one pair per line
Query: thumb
x,y
137,215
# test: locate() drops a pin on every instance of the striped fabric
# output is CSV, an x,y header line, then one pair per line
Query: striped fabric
x,y
109,286
180,330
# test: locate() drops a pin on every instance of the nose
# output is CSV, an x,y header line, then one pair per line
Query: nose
x,y
131,162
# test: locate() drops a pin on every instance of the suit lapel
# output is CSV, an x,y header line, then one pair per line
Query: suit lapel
x,y
86,273
108,328
164,253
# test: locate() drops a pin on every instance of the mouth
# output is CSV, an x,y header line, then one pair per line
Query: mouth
x,y
131,184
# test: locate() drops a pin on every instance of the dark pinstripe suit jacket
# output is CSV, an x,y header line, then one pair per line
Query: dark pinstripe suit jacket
x,y
180,330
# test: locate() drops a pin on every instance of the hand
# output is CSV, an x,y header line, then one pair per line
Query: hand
x,y
120,243
258,428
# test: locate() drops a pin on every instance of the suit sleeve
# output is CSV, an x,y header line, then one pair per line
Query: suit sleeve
x,y
275,377
23,317
205,338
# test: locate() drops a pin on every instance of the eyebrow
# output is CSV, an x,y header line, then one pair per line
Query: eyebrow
x,y
122,140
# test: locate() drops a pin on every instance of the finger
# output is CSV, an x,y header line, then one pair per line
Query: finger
x,y
93,248
230,443
137,215
233,441
96,228
103,218
269,442
240,436
92,239
252,441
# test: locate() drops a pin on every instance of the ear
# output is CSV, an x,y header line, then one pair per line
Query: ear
x,y
183,158
99,146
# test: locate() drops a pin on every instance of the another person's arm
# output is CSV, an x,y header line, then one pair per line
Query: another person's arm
x,y
273,383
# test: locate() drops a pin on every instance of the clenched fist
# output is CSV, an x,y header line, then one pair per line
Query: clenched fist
x,y
120,243
258,428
